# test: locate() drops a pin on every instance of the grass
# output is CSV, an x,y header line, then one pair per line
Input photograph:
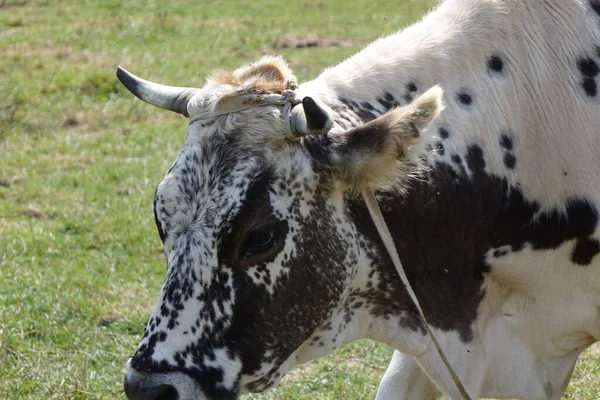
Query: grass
x,y
80,260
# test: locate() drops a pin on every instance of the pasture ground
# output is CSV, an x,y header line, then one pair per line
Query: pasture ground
x,y
80,260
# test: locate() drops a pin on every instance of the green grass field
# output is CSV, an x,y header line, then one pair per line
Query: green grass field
x,y
80,260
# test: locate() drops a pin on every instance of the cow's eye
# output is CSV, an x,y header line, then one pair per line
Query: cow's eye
x,y
260,240
262,244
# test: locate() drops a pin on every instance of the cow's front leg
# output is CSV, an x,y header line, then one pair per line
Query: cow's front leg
x,y
405,380
466,361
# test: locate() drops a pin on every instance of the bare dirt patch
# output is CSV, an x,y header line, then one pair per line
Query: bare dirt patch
x,y
37,214
7,4
83,121
109,319
300,41
70,121
4,4
6,182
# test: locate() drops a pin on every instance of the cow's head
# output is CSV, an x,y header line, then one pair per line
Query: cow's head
x,y
260,248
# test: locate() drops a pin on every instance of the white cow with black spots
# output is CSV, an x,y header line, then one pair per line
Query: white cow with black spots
x,y
491,190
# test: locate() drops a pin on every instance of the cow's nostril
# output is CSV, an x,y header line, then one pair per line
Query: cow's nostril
x,y
167,392
159,392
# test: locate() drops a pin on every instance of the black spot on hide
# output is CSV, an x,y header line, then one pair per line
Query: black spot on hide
x,y
364,112
588,67
464,98
475,160
506,142
439,148
590,86
444,226
510,160
585,250
495,64
457,160
387,101
411,87
444,134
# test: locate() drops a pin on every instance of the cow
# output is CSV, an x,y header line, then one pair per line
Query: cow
x,y
478,130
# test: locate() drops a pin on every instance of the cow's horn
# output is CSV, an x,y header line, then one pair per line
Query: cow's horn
x,y
166,97
310,119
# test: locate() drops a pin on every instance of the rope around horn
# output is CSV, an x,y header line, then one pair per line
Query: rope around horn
x,y
288,99
388,242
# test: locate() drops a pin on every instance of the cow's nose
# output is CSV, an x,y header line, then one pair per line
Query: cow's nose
x,y
149,386
143,391
172,385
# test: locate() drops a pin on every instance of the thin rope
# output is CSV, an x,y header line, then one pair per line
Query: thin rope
x,y
288,99
388,242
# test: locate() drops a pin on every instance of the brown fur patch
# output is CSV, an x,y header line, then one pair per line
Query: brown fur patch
x,y
267,71
268,75
225,78
267,86
258,83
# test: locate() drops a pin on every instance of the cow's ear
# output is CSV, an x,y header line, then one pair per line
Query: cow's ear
x,y
378,151
270,74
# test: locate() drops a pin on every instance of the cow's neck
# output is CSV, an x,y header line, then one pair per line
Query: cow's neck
x,y
440,50
476,205
389,73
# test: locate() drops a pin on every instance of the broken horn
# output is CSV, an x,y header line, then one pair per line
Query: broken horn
x,y
310,119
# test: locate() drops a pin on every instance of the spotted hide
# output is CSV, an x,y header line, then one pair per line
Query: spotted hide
x,y
491,196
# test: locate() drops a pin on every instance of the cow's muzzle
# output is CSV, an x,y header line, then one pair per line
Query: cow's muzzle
x,y
160,386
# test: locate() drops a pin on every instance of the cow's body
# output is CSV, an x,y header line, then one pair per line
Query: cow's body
x,y
498,237
506,223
